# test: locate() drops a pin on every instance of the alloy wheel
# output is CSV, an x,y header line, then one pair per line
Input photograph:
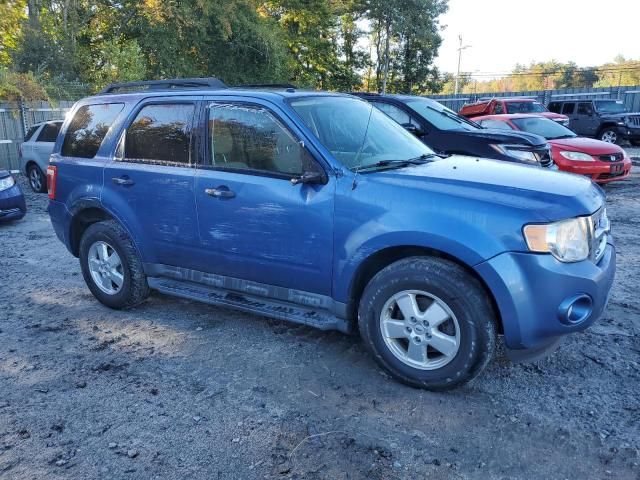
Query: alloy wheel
x,y
420,329
105,267
35,179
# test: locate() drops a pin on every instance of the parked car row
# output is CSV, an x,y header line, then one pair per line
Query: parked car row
x,y
320,208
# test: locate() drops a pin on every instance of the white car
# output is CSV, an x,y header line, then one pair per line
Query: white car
x,y
35,151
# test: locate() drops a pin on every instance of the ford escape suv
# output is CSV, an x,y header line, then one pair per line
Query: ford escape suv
x,y
317,208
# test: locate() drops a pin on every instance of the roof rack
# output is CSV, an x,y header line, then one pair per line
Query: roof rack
x,y
175,83
268,85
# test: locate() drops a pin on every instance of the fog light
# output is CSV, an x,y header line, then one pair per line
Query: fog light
x,y
575,310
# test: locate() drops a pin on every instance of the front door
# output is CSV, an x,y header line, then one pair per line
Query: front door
x,y
585,122
149,184
255,223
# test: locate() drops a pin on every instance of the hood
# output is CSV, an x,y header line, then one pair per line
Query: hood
x,y
506,136
619,116
587,145
538,194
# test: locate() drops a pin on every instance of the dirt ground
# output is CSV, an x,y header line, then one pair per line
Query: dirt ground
x,y
176,389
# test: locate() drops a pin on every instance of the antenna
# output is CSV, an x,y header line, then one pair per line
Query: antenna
x,y
366,132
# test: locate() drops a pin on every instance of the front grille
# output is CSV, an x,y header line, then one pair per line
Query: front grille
x,y
611,157
634,121
544,157
599,229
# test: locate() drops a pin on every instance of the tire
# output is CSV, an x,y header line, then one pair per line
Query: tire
x,y
133,287
609,135
37,180
456,294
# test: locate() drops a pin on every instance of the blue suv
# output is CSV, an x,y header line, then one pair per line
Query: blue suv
x,y
318,208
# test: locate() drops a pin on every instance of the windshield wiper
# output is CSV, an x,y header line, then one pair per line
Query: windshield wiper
x,y
425,158
563,136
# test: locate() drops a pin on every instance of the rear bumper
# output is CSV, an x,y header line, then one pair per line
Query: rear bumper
x,y
12,204
61,221
532,291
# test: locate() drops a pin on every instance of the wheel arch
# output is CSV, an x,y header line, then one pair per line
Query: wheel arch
x,y
375,262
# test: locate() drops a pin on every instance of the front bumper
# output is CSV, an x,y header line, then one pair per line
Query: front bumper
x,y
530,290
12,204
629,133
599,172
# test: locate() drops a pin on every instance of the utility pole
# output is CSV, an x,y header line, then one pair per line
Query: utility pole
x,y
460,48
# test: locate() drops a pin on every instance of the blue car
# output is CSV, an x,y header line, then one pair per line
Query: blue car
x,y
318,208
12,204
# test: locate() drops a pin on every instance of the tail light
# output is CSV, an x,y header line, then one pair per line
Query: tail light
x,y
52,178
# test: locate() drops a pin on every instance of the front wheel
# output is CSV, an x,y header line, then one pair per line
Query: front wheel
x,y
609,135
428,323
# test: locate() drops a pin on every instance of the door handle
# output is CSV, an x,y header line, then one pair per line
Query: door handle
x,y
220,192
122,181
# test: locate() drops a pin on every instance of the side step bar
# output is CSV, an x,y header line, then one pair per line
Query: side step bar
x,y
280,310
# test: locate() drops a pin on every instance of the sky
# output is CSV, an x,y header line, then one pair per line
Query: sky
x,y
505,32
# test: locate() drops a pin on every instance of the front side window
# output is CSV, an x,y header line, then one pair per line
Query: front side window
x,y
251,138
525,107
88,128
498,110
355,132
568,108
160,134
396,113
440,116
49,132
585,108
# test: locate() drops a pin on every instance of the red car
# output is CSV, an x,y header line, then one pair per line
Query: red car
x,y
498,106
603,162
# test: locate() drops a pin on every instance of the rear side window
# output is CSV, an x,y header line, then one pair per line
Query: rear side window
x,y
396,113
568,108
49,132
30,133
88,128
161,134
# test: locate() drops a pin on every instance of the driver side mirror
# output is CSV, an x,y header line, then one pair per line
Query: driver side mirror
x,y
411,128
312,178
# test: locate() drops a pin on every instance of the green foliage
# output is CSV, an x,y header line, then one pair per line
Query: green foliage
x,y
313,43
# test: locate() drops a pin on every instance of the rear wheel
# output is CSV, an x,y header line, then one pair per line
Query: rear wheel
x,y
428,322
609,135
111,266
37,180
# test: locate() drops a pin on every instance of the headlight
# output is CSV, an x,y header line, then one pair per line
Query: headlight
x,y
7,182
577,156
567,240
519,152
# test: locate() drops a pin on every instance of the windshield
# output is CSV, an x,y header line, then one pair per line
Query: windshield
x,y
357,133
610,106
544,127
524,107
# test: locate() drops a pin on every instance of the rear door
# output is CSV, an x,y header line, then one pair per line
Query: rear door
x,y
255,224
149,184
569,109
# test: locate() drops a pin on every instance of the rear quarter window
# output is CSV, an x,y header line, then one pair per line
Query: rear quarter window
x,y
88,128
30,132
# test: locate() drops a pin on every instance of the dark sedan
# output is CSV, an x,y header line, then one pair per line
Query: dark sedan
x,y
12,204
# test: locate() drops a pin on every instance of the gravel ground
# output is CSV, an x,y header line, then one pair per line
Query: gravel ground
x,y
176,389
